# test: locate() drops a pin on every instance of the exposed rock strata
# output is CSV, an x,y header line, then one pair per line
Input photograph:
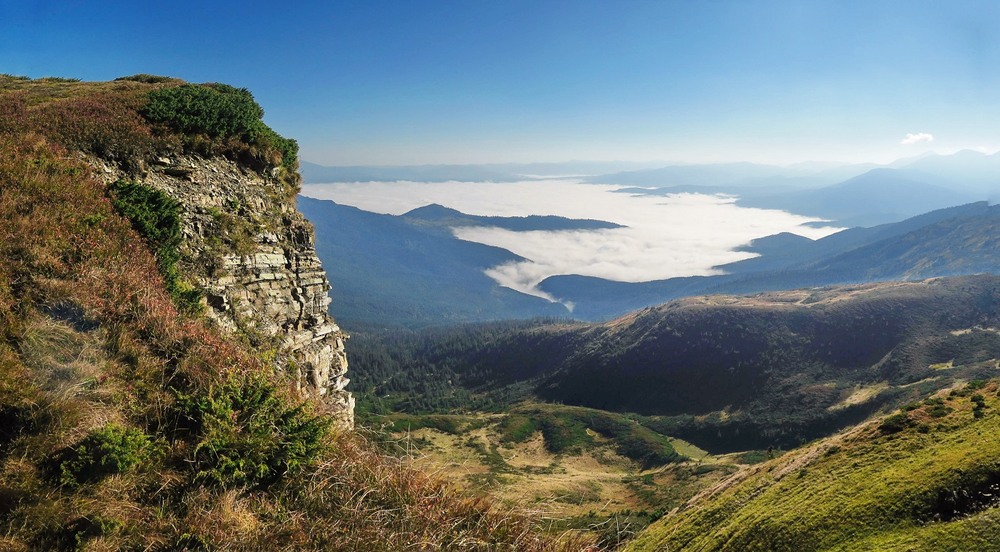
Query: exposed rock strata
x,y
252,252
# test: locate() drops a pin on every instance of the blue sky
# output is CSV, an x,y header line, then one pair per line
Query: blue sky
x,y
414,82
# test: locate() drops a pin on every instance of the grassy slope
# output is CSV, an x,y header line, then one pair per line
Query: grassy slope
x,y
106,388
931,486
580,468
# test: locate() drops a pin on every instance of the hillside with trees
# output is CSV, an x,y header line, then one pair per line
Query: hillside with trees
x,y
725,372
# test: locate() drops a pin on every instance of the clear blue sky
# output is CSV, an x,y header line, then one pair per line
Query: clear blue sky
x,y
413,81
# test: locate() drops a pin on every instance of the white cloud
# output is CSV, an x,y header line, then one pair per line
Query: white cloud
x,y
916,138
664,236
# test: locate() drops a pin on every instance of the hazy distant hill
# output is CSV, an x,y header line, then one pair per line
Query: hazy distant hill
x,y
435,215
875,197
720,174
960,240
969,171
959,245
410,271
800,251
850,195
313,173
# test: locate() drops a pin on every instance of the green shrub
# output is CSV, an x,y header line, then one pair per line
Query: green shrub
x,y
58,79
978,405
247,436
109,450
156,216
518,428
147,78
894,423
940,410
217,110
287,147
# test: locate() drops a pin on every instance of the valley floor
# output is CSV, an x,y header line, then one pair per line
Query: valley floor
x,y
588,486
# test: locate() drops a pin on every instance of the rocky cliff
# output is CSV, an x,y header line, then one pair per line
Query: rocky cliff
x,y
252,253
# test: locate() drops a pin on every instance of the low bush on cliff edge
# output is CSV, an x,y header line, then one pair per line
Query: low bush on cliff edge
x,y
134,119
219,111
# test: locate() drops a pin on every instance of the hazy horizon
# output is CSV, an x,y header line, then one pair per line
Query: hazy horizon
x,y
654,163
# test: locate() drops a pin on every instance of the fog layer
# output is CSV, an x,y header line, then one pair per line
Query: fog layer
x,y
665,236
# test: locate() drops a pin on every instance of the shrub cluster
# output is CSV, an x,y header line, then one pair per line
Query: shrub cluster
x,y
218,111
147,78
247,435
109,450
978,406
895,423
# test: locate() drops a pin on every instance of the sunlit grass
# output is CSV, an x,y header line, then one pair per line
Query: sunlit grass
x,y
927,487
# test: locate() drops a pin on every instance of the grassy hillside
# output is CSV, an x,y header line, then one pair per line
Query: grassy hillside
x,y
127,420
924,478
727,373
600,472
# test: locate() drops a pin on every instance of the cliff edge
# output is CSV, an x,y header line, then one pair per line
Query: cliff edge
x,y
252,254
243,256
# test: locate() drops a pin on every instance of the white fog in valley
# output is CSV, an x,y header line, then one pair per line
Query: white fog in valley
x,y
665,236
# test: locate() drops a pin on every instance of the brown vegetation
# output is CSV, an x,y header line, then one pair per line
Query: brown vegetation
x,y
103,380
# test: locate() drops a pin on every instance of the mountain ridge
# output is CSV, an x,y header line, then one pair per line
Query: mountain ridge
x,y
737,372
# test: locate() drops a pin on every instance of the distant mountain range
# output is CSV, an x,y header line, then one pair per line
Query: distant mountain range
x,y
313,173
912,219
849,195
876,196
410,270
958,240
968,172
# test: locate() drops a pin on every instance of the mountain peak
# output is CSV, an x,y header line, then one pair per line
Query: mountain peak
x,y
433,211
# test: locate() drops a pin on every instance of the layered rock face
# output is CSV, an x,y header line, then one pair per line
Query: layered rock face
x,y
252,253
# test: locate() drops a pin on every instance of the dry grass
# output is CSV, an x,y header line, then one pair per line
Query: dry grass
x,y
89,337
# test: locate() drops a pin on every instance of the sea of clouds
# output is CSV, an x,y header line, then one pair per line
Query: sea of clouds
x,y
664,236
